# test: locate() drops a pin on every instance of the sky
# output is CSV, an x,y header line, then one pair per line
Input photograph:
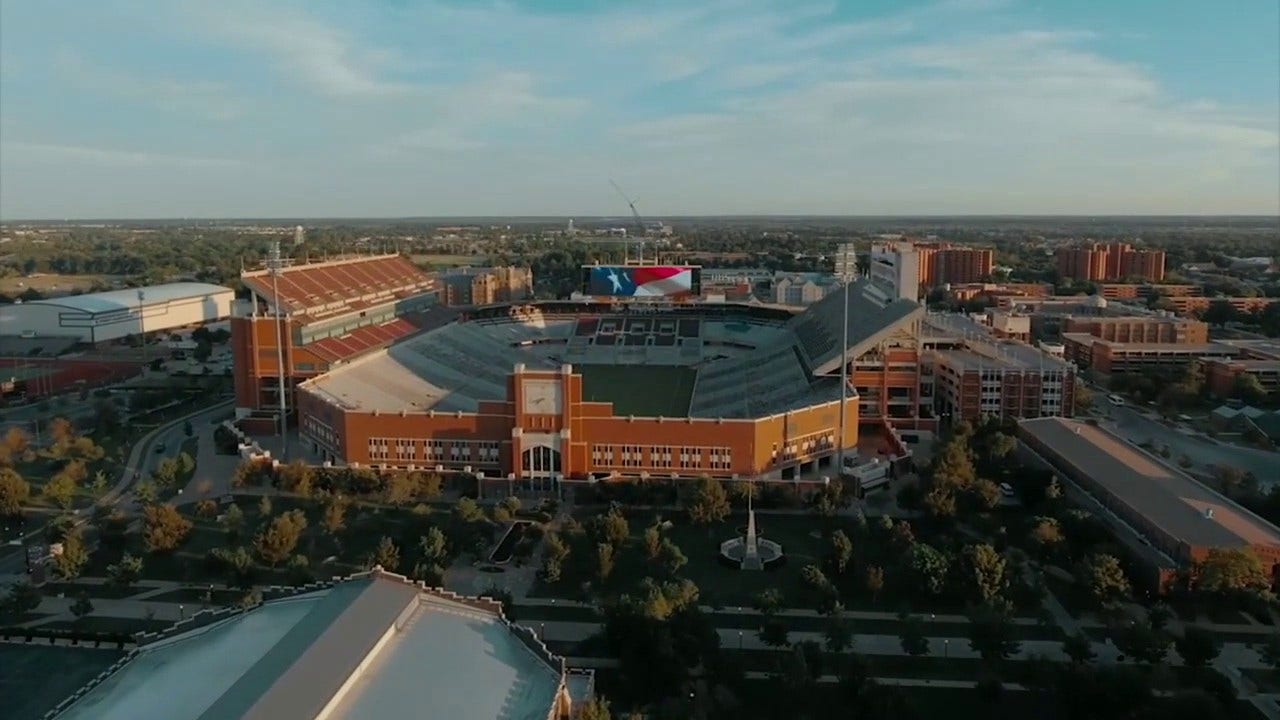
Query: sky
x,y
393,108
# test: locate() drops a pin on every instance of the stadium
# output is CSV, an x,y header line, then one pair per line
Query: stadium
x,y
634,377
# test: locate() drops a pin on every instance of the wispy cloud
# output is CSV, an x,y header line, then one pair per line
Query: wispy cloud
x,y
205,98
52,153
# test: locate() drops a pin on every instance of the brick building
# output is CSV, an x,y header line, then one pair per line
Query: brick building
x,y
461,287
1140,329
1115,261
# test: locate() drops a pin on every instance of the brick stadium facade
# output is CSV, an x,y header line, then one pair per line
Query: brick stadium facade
x,y
330,313
571,438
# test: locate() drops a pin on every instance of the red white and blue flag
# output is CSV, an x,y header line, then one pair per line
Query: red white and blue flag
x,y
644,281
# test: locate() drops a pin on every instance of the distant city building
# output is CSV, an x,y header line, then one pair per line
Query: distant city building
x,y
1259,358
895,269
467,286
118,314
1115,261
1167,520
802,289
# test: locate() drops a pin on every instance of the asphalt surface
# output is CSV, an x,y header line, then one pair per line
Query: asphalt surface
x,y
1203,451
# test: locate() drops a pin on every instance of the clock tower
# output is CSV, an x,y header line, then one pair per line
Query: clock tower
x,y
540,436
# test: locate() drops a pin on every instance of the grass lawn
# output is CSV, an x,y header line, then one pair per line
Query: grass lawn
x,y
35,678
447,261
643,391
51,283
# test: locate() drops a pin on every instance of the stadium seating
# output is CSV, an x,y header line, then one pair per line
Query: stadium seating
x,y
819,327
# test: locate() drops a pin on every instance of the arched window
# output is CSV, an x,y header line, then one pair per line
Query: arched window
x,y
541,460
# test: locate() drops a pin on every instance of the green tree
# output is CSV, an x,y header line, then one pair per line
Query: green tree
x,y
991,636
164,528
334,518
1234,571
911,634
60,490
1140,641
929,566
145,492
1104,578
14,492
399,488
125,573
276,543
837,634
82,606
1079,648
652,543
1197,647
22,598
467,510
612,527
670,557
841,551
232,522
707,502
1046,534
773,632
264,509
73,558
434,546
387,555
1246,387
986,572
605,558
296,477
768,602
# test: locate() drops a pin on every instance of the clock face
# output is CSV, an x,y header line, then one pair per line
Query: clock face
x,y
542,397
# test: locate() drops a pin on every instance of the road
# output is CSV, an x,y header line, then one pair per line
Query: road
x,y
1203,451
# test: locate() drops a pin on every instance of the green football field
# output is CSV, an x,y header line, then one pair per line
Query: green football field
x,y
640,390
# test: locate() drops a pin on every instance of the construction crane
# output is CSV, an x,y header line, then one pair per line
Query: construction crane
x,y
635,214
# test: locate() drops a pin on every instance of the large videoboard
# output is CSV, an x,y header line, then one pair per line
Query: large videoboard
x,y
653,281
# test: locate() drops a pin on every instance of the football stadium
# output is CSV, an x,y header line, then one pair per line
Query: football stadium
x,y
635,376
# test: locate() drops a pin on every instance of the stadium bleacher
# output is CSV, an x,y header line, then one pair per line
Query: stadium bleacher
x,y
819,329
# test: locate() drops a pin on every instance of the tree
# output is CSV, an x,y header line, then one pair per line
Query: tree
x,y
126,572
467,510
60,490
991,636
82,606
1083,398
1079,648
554,552
14,492
434,546
1140,641
399,489
1247,388
1159,615
985,493
940,502
612,527
768,602
670,557
929,567
277,542
387,555
14,446
841,551
911,634
707,502
986,572
1197,647
264,509
430,485
838,634
1104,578
334,518
604,561
1046,534
296,477
597,708
61,432
774,633
875,581
164,528
652,543
232,521
23,597
1235,571
1001,446
73,558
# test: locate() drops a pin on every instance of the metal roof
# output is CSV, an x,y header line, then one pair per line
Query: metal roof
x,y
127,299
1168,499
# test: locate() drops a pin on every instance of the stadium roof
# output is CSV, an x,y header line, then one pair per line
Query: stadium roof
x,y
1167,498
334,287
870,319
377,646
127,299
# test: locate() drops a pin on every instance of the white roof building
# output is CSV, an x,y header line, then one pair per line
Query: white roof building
x,y
115,314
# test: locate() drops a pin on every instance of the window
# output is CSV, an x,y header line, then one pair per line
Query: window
x,y
435,450
460,450
632,456
602,455
405,449
489,452
660,456
721,458
378,448
690,457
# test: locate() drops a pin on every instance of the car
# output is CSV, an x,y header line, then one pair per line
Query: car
x,y
1006,489
1115,399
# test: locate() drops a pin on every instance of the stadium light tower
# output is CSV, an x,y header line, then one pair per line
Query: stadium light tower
x,y
275,264
142,325
844,374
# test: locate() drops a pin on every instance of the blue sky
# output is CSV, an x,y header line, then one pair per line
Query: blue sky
x,y
185,108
